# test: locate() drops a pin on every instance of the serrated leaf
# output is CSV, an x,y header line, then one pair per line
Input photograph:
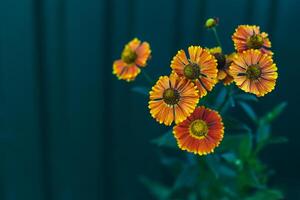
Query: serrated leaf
x,y
158,190
166,140
141,90
249,111
274,113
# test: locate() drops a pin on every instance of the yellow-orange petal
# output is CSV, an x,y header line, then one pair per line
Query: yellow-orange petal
x,y
172,99
134,44
243,34
143,53
201,132
254,72
124,71
134,55
203,68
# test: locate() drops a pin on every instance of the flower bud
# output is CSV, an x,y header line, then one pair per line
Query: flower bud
x,y
211,22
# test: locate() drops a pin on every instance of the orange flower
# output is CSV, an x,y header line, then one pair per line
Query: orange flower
x,y
249,37
201,132
201,68
134,56
254,72
223,63
172,99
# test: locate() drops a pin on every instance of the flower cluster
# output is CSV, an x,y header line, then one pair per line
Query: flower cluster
x,y
174,99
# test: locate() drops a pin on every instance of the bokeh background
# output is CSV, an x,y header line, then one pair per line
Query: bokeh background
x,y
69,130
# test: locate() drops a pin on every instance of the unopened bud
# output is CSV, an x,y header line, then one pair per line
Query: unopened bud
x,y
211,22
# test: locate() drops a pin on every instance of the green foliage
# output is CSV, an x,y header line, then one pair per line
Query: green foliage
x,y
263,135
267,194
246,97
221,98
235,170
166,140
274,113
158,190
249,111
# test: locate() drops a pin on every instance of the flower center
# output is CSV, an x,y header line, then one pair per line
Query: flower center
x,y
199,128
253,72
221,60
128,56
191,71
171,96
255,42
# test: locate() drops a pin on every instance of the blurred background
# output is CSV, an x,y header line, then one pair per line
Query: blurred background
x,y
69,130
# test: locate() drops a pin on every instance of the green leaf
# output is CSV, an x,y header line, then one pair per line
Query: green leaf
x,y
169,161
278,140
187,177
233,125
256,165
220,99
245,146
267,194
226,171
249,178
249,111
158,190
192,196
225,107
141,90
246,97
166,140
229,157
270,140
263,132
213,164
274,113
231,101
230,143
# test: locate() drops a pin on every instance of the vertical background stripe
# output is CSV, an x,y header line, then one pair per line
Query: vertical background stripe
x,y
69,130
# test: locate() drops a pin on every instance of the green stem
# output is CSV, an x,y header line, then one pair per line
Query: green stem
x,y
216,36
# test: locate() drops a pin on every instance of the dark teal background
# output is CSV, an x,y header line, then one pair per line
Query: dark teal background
x,y
69,130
